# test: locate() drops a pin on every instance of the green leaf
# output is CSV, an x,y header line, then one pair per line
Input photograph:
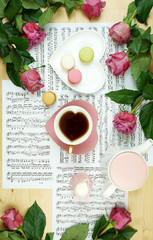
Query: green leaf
x,y
79,2
15,236
124,96
12,9
151,38
13,75
143,8
109,235
140,63
4,235
54,2
69,5
131,8
31,15
57,5
27,4
142,80
42,3
141,30
49,236
4,51
150,78
151,50
34,223
146,120
124,234
146,34
145,46
135,32
20,10
99,226
76,232
7,59
151,74
3,36
20,42
3,4
26,57
136,45
16,59
9,29
128,232
46,16
148,92
19,22
119,237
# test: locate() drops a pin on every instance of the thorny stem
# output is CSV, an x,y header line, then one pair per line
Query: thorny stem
x,y
9,46
131,18
139,103
130,55
21,231
109,226
40,67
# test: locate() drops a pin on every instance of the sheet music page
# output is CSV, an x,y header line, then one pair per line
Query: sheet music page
x,y
31,159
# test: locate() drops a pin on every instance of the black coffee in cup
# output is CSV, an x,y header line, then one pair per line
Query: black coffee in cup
x,y
73,125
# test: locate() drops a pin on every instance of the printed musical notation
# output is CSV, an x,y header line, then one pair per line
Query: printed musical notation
x,y
31,159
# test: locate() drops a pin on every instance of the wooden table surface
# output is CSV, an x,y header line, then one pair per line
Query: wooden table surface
x,y
140,201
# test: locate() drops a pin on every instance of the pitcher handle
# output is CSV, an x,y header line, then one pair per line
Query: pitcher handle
x,y
144,147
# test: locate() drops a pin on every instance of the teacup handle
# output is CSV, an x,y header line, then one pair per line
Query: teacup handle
x,y
70,149
108,189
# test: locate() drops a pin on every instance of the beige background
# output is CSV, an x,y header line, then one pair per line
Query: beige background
x,y
140,201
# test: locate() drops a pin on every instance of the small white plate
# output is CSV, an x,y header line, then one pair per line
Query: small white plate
x,y
93,75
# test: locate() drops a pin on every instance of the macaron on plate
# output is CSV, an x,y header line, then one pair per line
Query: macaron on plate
x,y
79,45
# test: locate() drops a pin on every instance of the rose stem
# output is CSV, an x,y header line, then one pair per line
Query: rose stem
x,y
134,109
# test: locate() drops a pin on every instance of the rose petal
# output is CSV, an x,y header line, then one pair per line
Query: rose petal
x,y
118,63
120,32
125,123
93,2
31,80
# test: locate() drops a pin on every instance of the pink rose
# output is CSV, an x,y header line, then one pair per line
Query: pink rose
x,y
33,33
125,122
93,8
120,32
118,63
12,219
121,216
31,80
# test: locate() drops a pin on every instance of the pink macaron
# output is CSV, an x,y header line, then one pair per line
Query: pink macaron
x,y
74,76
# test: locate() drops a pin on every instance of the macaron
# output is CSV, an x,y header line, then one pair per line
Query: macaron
x,y
86,54
49,98
74,76
67,62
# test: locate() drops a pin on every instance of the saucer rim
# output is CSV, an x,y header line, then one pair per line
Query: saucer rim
x,y
86,139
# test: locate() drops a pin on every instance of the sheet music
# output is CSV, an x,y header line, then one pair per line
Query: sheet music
x,y
31,159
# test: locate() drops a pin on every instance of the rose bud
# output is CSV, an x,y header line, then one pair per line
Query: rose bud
x,y
93,8
12,219
31,80
118,63
121,216
120,32
33,33
125,122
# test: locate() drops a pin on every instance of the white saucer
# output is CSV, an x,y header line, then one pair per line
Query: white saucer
x,y
93,75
